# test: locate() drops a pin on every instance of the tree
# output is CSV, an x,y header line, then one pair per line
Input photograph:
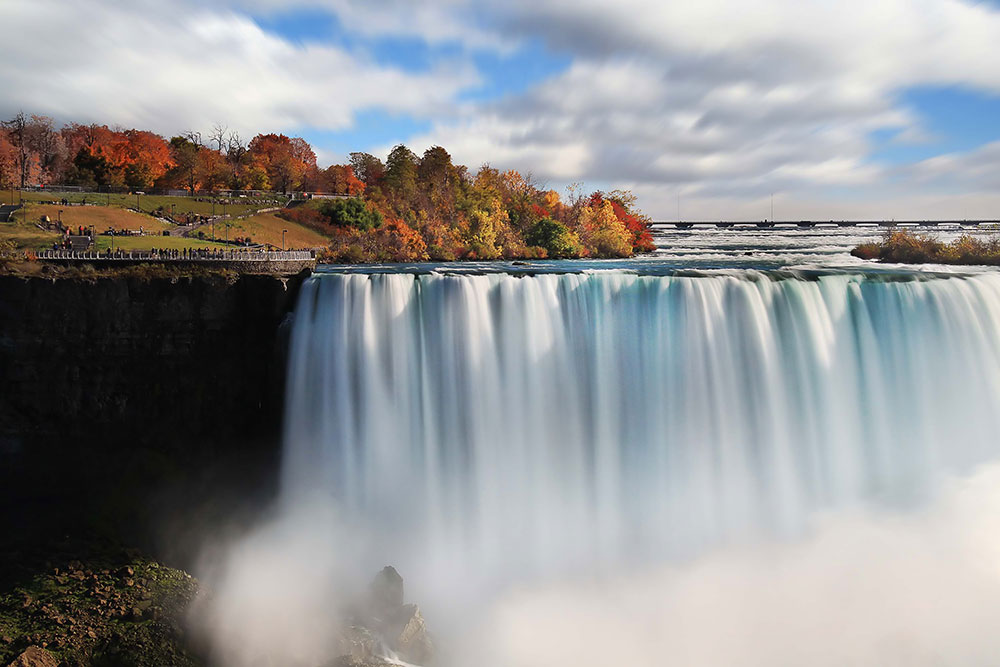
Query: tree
x,y
368,168
18,133
148,158
603,233
340,179
184,153
557,239
401,174
351,213
236,156
285,160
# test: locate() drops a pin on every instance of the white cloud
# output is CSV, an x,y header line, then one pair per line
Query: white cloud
x,y
722,100
728,100
138,65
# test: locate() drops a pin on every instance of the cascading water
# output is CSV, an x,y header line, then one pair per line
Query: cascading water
x,y
494,424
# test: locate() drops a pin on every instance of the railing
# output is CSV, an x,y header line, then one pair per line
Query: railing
x,y
179,255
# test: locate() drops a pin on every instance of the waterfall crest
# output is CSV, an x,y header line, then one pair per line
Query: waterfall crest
x,y
503,424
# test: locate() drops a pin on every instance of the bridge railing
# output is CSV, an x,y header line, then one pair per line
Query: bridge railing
x,y
178,256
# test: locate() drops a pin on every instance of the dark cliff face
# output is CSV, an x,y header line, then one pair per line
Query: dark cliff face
x,y
145,409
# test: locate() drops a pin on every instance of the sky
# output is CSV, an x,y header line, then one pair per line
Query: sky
x,y
704,108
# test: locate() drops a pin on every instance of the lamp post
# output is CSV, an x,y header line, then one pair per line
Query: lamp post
x,y
227,232
283,238
60,216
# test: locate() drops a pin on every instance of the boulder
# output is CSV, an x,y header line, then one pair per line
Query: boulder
x,y
387,590
406,632
34,656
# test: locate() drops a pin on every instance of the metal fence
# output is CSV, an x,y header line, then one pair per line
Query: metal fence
x,y
179,255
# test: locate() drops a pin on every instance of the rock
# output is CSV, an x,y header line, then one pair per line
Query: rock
x,y
387,590
357,642
35,656
406,631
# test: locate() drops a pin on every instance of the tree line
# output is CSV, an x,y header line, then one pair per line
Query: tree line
x,y
407,208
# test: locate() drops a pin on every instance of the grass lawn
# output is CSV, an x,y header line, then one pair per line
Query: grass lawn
x,y
101,217
150,203
266,228
27,237
150,242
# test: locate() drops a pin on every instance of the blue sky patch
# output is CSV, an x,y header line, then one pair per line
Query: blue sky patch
x,y
954,120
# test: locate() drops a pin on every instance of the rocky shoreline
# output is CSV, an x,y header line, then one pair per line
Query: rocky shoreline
x,y
125,609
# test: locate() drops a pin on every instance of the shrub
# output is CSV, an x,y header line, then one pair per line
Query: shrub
x,y
905,247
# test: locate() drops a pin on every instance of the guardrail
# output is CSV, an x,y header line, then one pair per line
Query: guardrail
x,y
179,255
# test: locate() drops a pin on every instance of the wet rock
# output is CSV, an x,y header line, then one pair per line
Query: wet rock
x,y
358,642
406,631
35,656
387,590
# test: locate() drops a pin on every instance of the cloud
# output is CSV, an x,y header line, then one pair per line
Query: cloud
x,y
138,65
716,100
722,99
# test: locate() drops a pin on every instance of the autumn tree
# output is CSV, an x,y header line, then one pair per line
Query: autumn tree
x,y
148,158
368,168
285,160
9,171
340,179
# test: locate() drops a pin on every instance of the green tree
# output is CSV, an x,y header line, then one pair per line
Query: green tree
x,y
557,239
401,173
351,213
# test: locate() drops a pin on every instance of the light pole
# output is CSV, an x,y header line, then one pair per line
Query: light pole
x,y
283,238
227,232
60,216
137,202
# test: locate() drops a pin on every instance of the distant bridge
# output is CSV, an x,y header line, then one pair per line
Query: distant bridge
x,y
766,224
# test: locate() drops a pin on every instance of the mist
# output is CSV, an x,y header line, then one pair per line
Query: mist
x,y
866,588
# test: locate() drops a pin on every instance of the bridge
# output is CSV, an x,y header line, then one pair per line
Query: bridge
x,y
768,224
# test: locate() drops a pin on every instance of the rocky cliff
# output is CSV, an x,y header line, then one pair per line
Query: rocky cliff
x,y
139,406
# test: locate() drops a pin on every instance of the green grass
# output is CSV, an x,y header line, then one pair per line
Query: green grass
x,y
149,203
26,237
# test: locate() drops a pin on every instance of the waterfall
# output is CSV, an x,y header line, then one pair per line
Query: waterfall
x,y
499,424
